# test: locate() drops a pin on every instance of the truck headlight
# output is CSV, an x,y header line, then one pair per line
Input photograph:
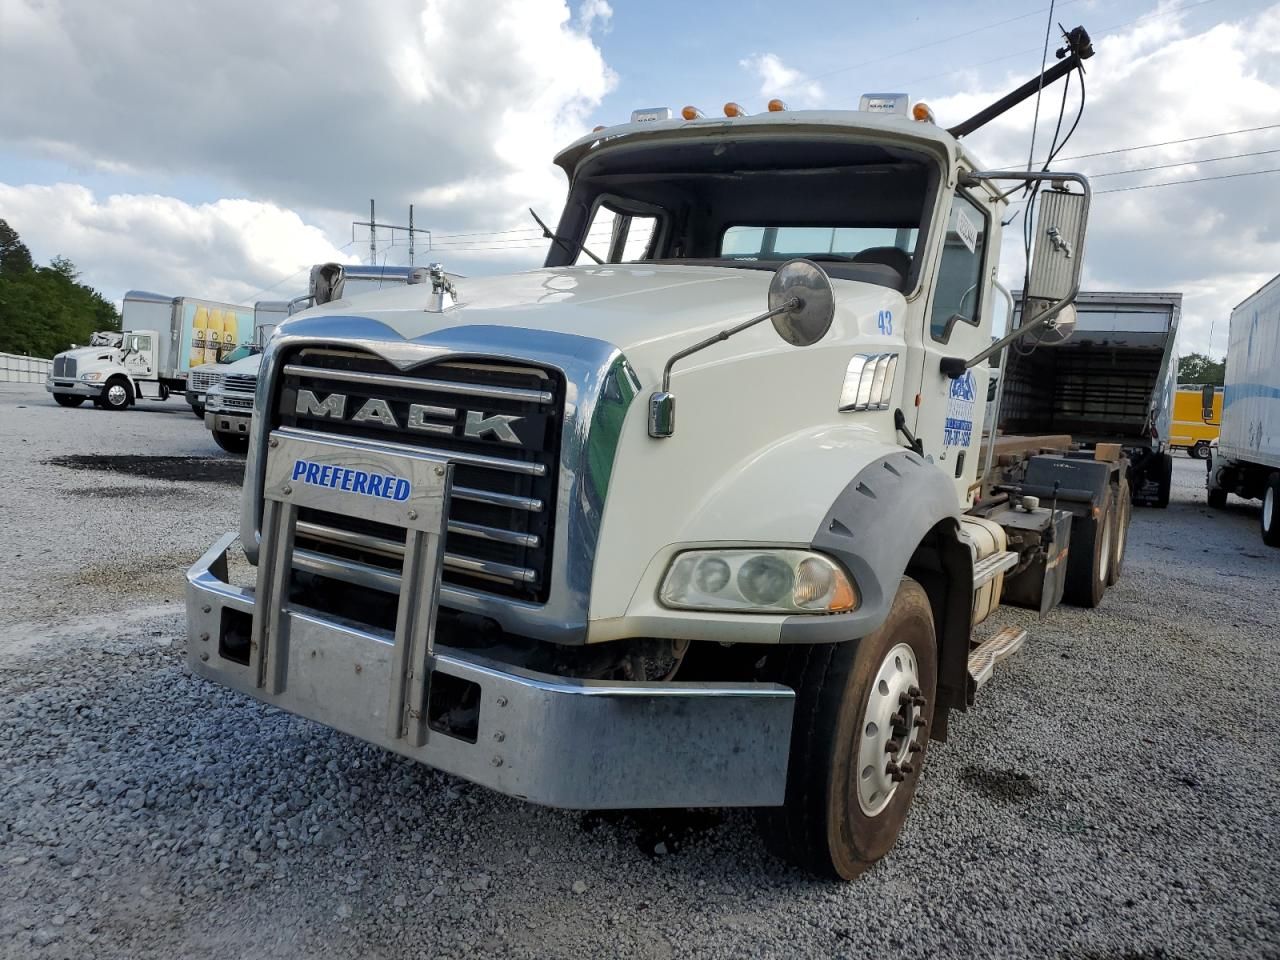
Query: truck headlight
x,y
91,376
758,581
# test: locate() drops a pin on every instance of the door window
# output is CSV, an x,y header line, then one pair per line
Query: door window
x,y
959,288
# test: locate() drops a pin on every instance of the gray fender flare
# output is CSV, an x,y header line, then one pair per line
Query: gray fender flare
x,y
898,512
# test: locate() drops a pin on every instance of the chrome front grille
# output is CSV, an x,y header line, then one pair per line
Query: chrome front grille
x,y
237,401
203,380
64,366
498,422
242,382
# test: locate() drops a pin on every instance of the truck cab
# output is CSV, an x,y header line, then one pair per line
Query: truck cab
x,y
694,515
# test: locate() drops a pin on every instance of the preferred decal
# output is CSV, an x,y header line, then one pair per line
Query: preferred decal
x,y
385,486
958,431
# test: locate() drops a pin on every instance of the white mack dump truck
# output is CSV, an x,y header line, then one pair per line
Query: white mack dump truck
x,y
550,533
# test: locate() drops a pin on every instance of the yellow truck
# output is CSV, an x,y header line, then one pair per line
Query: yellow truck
x,y
1197,418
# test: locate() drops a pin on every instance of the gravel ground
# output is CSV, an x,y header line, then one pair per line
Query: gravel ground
x,y
1116,793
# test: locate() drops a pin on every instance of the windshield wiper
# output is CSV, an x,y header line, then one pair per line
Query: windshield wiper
x,y
568,248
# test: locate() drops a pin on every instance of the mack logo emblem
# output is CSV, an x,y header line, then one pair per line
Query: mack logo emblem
x,y
386,486
421,417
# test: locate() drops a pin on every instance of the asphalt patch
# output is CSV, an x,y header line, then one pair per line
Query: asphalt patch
x,y
192,469
121,493
1005,786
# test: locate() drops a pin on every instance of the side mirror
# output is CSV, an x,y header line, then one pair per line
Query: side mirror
x,y
326,283
1058,259
1055,332
802,306
1206,402
807,322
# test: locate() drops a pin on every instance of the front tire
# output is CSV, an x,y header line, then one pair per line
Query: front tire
x,y
1200,451
863,710
68,399
232,442
198,410
1165,481
1271,512
116,395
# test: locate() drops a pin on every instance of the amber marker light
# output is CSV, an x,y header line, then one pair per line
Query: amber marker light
x,y
691,113
732,109
922,113
776,105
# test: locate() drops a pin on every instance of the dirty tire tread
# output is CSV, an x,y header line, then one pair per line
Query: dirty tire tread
x,y
1082,589
1271,535
820,676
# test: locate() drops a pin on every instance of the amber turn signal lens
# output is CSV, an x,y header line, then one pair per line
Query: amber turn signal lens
x,y
732,109
921,112
691,113
776,105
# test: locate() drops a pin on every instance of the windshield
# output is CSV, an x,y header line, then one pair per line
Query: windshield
x,y
859,208
239,353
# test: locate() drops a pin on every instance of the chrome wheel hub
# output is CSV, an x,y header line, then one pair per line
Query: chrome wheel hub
x,y
893,730
116,395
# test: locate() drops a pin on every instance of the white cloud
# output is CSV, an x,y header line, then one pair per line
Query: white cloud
x,y
779,80
1215,242
594,13
316,106
227,250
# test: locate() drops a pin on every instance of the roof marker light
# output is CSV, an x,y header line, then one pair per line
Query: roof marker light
x,y
922,113
598,127
732,109
691,113
776,106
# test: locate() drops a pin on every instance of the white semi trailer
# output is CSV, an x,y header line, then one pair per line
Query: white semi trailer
x,y
163,337
1248,459
698,519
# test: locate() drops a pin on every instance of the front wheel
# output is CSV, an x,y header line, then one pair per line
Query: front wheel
x,y
1200,451
1271,512
863,709
68,399
116,395
232,442
198,410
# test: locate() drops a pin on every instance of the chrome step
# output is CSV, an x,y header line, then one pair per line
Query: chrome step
x,y
984,571
1001,645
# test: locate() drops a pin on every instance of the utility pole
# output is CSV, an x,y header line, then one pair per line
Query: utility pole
x,y
372,224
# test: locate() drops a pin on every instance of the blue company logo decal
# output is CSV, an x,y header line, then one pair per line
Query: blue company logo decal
x,y
385,486
958,429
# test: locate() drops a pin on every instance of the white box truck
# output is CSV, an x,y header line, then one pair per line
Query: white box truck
x,y
1248,458
488,537
162,338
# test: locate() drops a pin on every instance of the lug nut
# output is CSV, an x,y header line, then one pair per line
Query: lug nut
x,y
918,722
893,746
890,767
915,748
914,691
918,701
908,768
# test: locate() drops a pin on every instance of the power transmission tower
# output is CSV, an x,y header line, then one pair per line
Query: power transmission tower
x,y
373,226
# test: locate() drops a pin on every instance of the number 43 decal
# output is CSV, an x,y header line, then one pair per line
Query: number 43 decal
x,y
884,320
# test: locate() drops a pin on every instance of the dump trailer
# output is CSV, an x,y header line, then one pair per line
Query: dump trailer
x,y
1197,419
694,518
1111,382
1248,459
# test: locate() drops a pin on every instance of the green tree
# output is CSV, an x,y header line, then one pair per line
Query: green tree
x,y
1200,368
43,310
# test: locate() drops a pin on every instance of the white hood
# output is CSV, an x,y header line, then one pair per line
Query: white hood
x,y
646,310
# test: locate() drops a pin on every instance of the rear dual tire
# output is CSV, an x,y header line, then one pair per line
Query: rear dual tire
x,y
1090,556
858,741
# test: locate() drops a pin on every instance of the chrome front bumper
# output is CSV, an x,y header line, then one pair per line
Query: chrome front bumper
x,y
562,742
222,422
76,388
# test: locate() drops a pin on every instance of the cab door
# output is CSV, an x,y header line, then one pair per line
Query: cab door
x,y
140,360
950,415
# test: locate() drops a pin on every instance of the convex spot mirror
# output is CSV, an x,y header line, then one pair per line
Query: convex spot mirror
x,y
1056,331
808,321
